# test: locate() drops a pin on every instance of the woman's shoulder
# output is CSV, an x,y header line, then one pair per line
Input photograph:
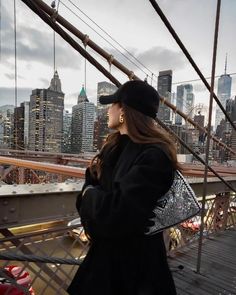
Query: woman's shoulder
x,y
154,153
157,149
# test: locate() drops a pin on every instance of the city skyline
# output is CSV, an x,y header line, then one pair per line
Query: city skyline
x,y
156,51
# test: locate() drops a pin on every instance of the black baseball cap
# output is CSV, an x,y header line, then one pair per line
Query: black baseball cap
x,y
136,94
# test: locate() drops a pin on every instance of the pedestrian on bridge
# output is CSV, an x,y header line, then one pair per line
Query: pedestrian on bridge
x,y
134,168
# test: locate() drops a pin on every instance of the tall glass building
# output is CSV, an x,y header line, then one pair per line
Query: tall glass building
x,y
46,117
164,89
223,94
184,101
82,126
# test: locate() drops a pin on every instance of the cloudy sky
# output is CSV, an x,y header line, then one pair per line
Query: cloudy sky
x,y
133,24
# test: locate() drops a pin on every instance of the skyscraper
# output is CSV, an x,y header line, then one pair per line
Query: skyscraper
x,y
179,103
82,126
223,93
184,101
46,117
164,89
103,88
6,126
66,137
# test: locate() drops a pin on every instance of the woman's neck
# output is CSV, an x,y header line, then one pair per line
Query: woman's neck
x,y
123,129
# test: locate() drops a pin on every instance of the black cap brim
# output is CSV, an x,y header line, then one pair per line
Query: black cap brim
x,y
108,99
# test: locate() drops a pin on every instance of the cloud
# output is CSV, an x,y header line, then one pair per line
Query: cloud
x,y
12,76
7,95
33,45
160,58
155,59
45,82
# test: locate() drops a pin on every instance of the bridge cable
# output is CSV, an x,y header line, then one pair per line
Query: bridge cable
x,y
0,30
195,80
131,61
53,5
190,59
33,6
181,141
215,44
152,74
71,41
15,134
48,11
129,53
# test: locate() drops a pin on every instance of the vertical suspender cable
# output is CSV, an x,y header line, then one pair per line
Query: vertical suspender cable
x,y
15,119
53,5
54,52
85,72
187,54
84,121
0,30
208,133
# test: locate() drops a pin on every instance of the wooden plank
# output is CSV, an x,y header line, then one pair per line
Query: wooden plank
x,y
218,269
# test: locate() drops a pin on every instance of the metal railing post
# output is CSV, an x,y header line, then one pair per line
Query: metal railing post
x,y
208,133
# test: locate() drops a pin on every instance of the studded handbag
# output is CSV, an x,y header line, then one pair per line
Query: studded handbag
x,y
176,206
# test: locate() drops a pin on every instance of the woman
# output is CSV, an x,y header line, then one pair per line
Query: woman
x,y
122,185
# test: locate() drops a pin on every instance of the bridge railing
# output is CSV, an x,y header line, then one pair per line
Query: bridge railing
x,y
37,235
49,253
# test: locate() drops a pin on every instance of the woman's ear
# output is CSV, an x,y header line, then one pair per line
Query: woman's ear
x,y
122,111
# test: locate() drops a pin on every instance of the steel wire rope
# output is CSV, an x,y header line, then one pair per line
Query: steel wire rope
x,y
171,132
189,57
47,11
173,83
107,40
0,30
214,54
15,132
169,106
53,5
116,42
112,38
71,41
194,80
45,17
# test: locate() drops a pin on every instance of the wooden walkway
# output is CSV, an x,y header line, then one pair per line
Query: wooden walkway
x,y
218,268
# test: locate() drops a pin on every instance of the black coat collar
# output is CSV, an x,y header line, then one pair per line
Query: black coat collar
x,y
127,157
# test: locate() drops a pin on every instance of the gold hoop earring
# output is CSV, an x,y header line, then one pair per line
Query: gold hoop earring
x,y
121,119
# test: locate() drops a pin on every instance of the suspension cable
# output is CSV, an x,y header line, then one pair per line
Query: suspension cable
x,y
15,112
53,5
204,193
58,3
152,74
0,30
187,54
195,80
106,33
129,53
33,6
105,38
48,11
172,133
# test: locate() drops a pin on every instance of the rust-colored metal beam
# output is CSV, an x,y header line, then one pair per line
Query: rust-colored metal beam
x,y
84,38
50,168
188,56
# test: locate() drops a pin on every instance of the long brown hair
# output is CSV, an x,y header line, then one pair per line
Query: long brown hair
x,y
141,129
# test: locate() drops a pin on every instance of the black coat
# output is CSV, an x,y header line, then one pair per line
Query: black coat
x,y
122,260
